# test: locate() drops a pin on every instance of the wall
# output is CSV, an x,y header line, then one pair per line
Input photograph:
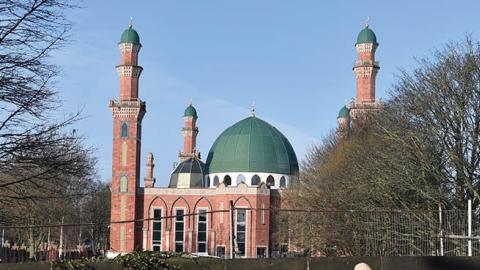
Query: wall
x,y
333,263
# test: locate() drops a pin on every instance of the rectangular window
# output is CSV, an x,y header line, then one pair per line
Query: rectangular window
x,y
241,231
179,229
202,231
221,252
261,252
157,230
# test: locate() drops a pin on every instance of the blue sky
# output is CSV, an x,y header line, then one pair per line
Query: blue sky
x,y
293,58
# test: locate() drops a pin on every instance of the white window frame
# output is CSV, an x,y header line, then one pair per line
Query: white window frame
x,y
175,228
161,227
224,248
206,229
261,246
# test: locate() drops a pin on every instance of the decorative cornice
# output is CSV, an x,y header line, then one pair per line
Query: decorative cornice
x,y
365,71
127,109
129,47
129,71
220,190
366,47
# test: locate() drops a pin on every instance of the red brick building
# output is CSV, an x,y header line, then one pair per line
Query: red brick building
x,y
248,165
218,207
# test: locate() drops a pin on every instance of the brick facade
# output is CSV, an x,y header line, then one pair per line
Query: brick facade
x,y
133,207
127,113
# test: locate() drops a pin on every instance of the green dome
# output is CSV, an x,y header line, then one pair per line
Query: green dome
x,y
252,145
188,174
130,36
366,36
190,111
344,112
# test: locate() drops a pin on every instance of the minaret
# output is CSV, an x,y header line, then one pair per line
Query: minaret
x,y
365,70
343,122
128,113
190,132
149,180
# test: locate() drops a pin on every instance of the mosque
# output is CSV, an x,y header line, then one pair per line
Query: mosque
x,y
223,206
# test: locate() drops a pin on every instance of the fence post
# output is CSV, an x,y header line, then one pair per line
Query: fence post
x,y
441,227
60,250
469,227
232,234
3,237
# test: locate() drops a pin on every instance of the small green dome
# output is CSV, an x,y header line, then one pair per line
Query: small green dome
x,y
252,145
130,36
190,112
344,112
366,36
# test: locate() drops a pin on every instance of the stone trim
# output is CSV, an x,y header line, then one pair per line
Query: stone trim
x,y
365,71
366,47
127,109
221,190
129,71
129,47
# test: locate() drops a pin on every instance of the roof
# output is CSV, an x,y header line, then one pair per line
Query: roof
x,y
130,36
188,174
190,111
252,145
344,112
366,36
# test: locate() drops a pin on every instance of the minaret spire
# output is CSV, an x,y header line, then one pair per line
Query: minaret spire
x,y
252,110
366,68
190,132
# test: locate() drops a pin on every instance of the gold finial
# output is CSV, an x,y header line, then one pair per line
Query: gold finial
x,y
367,21
253,109
130,24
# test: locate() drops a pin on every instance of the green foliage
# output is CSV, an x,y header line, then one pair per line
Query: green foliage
x,y
145,260
84,264
138,260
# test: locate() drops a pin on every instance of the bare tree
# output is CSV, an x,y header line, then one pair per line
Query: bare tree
x,y
442,99
34,148
421,149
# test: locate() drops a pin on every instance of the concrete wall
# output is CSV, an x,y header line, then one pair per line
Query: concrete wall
x,y
334,263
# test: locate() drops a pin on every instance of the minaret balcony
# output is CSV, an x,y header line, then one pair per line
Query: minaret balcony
x,y
366,63
127,108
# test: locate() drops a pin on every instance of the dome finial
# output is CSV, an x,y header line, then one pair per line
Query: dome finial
x,y
252,110
190,102
130,24
367,21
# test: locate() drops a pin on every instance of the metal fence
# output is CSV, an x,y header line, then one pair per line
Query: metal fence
x,y
380,233
297,232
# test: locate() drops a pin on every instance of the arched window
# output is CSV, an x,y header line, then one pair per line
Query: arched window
x,y
216,181
283,182
240,179
207,183
255,180
227,180
124,132
270,181
123,185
